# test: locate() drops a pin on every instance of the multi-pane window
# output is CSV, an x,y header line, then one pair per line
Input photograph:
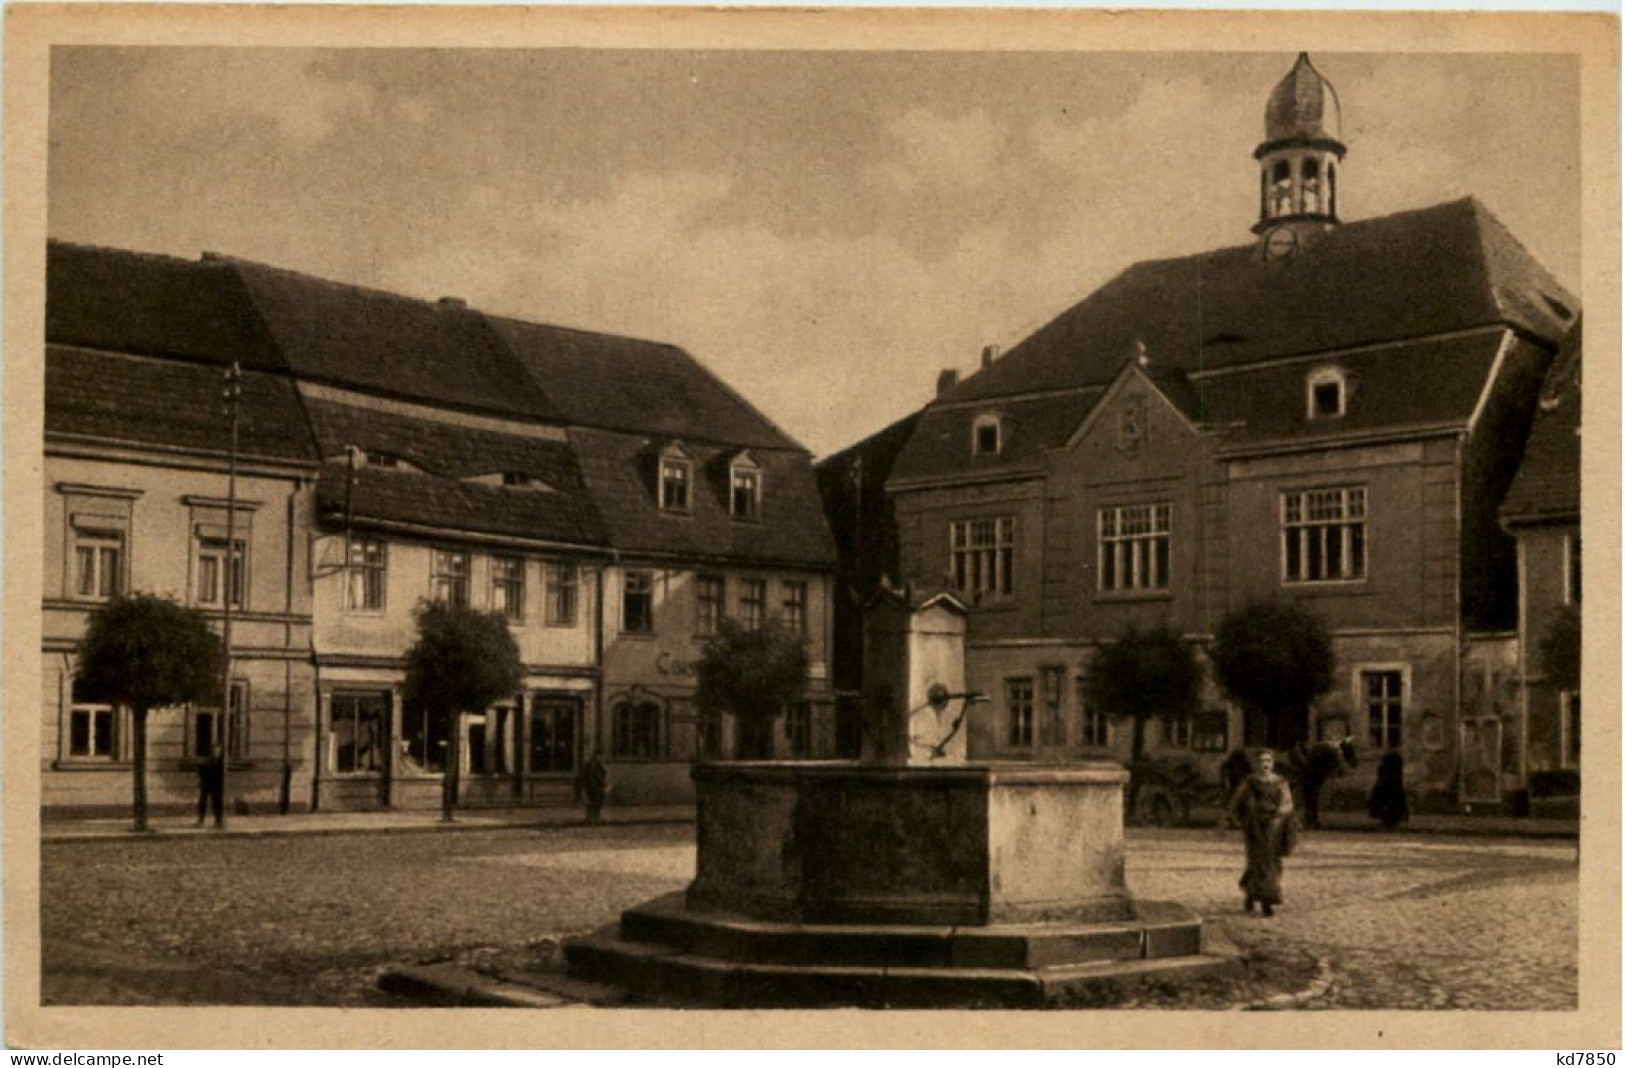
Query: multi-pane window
x,y
709,594
1018,712
204,734
553,725
448,577
98,562
638,603
213,569
1134,547
1094,726
983,555
753,603
562,584
1323,535
1384,706
92,728
745,493
508,587
676,477
358,731
794,608
366,575
636,734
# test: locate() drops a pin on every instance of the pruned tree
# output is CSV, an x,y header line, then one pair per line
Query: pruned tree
x,y
754,675
1275,660
145,652
462,661
1144,673
1560,649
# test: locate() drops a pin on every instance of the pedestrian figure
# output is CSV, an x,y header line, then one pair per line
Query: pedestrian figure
x,y
1388,803
1316,765
211,786
1261,807
591,783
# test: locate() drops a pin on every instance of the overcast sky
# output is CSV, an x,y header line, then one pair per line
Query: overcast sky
x,y
824,230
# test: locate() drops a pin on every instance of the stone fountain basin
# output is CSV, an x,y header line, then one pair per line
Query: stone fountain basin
x,y
966,844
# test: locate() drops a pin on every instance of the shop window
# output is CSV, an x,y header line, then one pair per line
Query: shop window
x,y
982,554
637,731
508,587
710,592
562,585
1384,704
367,574
1135,547
448,577
638,603
425,741
1323,535
358,727
93,733
1327,393
554,723
753,603
1018,713
794,614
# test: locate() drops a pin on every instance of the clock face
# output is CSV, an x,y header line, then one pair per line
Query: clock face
x,y
1280,242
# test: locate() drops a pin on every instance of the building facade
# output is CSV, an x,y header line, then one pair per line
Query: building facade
x,y
611,497
1328,415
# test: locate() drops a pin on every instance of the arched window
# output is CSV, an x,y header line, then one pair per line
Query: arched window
x,y
1281,189
987,436
1331,189
1327,393
1311,186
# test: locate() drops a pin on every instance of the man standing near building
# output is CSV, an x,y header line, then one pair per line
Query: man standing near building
x,y
211,786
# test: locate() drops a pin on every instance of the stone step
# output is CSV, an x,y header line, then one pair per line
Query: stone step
x,y
1161,930
670,975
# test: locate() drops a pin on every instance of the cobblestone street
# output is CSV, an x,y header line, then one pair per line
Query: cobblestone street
x,y
1401,921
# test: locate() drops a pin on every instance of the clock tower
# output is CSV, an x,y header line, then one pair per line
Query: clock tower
x,y
1298,161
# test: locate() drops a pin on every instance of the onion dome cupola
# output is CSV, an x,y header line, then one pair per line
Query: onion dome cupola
x,y
1299,159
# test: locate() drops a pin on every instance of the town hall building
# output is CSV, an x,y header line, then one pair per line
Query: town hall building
x,y
1329,414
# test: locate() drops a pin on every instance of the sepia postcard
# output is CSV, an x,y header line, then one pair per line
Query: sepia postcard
x,y
675,527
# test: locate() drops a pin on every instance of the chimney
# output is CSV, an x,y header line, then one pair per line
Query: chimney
x,y
989,354
457,303
947,379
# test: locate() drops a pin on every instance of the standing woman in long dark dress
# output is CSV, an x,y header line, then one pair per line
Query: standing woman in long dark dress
x,y
1261,806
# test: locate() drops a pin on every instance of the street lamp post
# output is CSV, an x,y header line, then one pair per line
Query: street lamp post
x,y
231,393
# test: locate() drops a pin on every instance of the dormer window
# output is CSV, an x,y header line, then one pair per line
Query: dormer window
x,y
383,459
676,482
745,488
987,436
515,479
1328,394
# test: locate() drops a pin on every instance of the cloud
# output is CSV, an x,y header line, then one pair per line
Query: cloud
x,y
935,149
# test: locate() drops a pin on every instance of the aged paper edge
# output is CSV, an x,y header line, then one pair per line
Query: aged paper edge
x,y
32,29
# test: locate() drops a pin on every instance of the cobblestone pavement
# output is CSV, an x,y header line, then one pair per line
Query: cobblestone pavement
x,y
1402,922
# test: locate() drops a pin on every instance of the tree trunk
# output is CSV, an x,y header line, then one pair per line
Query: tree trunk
x,y
454,760
139,718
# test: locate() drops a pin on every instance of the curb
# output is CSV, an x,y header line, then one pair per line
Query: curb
x,y
47,837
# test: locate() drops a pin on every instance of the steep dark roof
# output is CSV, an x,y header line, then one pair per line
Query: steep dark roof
x,y
381,342
620,472
1547,485
642,387
1389,286
136,302
1409,275
163,402
448,454
382,496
